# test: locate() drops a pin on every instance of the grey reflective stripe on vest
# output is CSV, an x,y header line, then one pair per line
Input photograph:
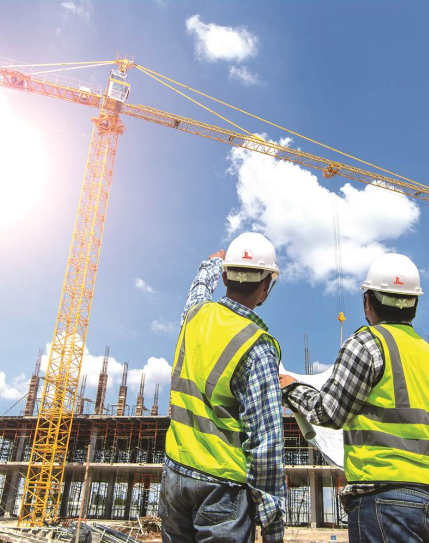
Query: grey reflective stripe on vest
x,y
175,378
225,358
401,415
369,438
179,384
206,426
399,383
190,388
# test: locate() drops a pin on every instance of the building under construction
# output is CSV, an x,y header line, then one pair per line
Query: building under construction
x,y
116,455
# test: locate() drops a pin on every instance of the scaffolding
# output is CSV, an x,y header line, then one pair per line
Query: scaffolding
x,y
125,464
121,459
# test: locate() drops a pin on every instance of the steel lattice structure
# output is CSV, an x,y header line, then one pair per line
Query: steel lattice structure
x,y
46,468
45,473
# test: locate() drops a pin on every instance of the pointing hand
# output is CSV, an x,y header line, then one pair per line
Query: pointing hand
x,y
220,254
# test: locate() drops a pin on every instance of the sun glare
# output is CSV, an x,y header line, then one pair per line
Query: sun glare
x,y
23,165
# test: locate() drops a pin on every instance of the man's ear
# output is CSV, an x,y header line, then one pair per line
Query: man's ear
x,y
224,279
368,303
267,283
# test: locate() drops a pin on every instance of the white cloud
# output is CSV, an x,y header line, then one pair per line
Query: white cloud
x,y
168,327
287,203
243,75
424,272
318,367
142,285
14,390
80,8
214,42
157,371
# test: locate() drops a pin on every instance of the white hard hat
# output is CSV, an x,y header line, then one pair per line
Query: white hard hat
x,y
393,273
251,250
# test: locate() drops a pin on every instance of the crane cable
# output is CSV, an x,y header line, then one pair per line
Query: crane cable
x,y
156,75
198,103
338,258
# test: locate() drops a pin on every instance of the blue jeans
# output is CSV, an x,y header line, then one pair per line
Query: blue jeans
x,y
396,515
193,510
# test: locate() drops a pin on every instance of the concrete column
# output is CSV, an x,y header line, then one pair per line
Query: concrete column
x,y
66,494
130,489
109,496
12,479
20,449
93,445
316,500
10,491
144,499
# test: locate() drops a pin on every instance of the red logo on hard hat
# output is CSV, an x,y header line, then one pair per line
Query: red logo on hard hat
x,y
399,280
247,255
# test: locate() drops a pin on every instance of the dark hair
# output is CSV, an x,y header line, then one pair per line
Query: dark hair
x,y
245,288
393,314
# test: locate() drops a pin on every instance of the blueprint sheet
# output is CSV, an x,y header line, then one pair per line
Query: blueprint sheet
x,y
328,441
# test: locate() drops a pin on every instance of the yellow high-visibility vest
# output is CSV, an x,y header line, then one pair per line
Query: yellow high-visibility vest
x,y
205,431
389,440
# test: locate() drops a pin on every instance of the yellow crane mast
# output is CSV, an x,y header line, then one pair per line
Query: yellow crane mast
x,y
49,450
42,490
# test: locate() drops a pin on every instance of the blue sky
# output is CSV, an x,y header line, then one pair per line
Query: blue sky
x,y
350,74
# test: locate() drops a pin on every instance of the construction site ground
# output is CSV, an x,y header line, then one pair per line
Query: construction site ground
x,y
292,534
314,535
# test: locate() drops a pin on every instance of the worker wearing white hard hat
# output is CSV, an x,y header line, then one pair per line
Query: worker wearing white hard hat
x,y
250,259
379,394
225,447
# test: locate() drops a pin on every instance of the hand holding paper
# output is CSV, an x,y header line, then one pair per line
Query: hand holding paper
x,y
328,441
286,380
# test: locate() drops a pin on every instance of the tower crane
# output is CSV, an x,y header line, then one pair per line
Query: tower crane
x,y
42,490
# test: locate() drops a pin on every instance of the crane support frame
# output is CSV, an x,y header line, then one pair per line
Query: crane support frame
x,y
42,490
19,81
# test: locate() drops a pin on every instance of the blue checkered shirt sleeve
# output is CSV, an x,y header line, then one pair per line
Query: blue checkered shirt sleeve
x,y
204,284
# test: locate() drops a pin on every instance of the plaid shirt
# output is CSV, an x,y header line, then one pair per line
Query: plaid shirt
x,y
256,387
358,368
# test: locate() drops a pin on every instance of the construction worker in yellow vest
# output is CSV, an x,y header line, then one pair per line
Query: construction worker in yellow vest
x,y
379,394
224,470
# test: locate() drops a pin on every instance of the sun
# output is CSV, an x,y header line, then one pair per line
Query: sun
x,y
23,165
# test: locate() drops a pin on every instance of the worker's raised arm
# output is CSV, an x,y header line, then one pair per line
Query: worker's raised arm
x,y
205,282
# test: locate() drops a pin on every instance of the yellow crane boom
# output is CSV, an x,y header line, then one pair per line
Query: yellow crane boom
x,y
49,450
17,80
